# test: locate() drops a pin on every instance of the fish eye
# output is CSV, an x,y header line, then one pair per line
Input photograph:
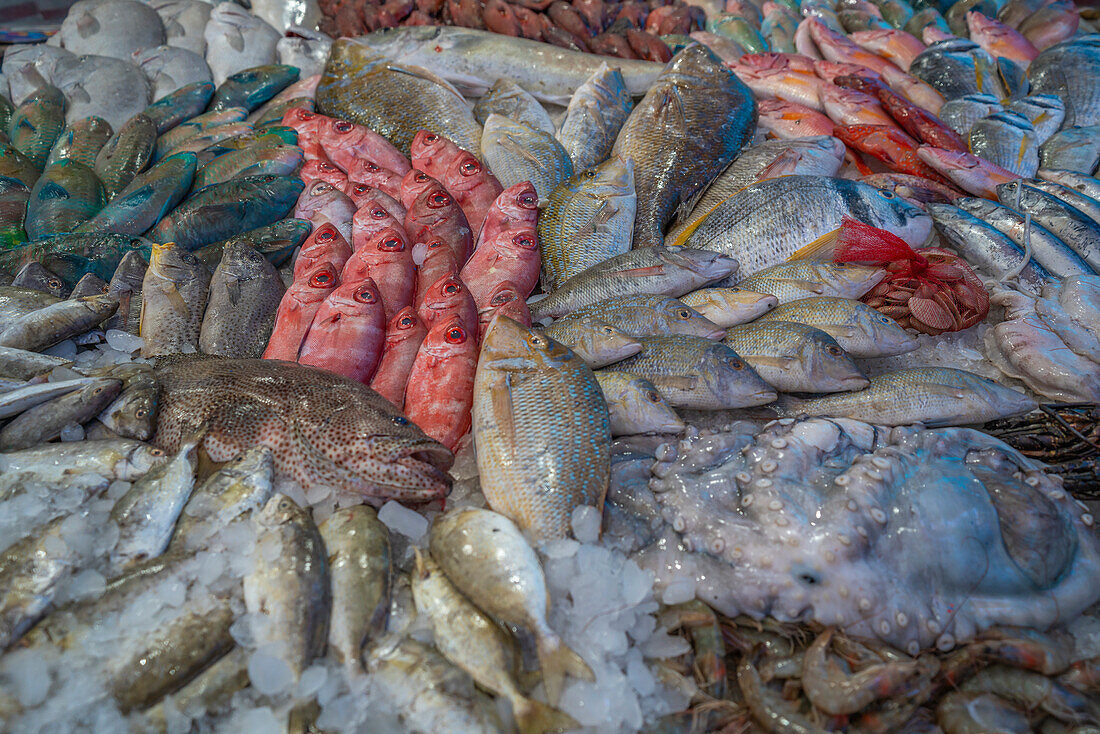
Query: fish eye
x,y
527,200
590,173
421,177
406,323
54,282
735,364
885,319
834,350
652,396
156,452
305,114
451,288
400,420
456,335
391,244
608,330
325,235
321,187
438,200
684,313
431,138
343,126
501,298
378,213
321,280
365,295
361,188
373,167
435,244
325,166
888,194
537,340
470,168
141,413
524,240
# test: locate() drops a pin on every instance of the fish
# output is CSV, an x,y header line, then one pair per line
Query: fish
x,y
237,40
133,413
324,244
370,450
347,331
504,300
173,297
447,296
934,396
17,167
669,271
16,301
347,143
36,277
58,463
370,174
518,153
111,28
912,118
970,173
114,89
893,44
475,60
596,113
21,364
512,255
277,160
239,488
1000,40
47,326
635,405
672,163
252,87
778,211
461,173
16,401
321,202
37,123
182,104
207,140
640,316
1069,70
1068,223
859,329
517,416
197,125
508,99
1051,24
1087,205
727,307
306,49
404,334
146,514
44,422
145,200
435,213
1075,149
184,22
596,342
1046,248
790,281
794,357
126,154
439,391
81,141
990,251
957,67
514,207
67,194
1079,182
13,208
387,259
169,67
588,219
27,67
357,547
1007,139
486,557
126,285
289,584
245,292
393,99
961,113
297,308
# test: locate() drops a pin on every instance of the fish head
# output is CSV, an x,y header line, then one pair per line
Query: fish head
x,y
706,264
414,184
387,244
903,218
730,306
465,173
506,299
327,238
404,325
648,411
599,343
399,43
355,298
280,510
887,334
317,282
431,149
520,241
683,319
611,179
832,368
510,346
730,379
519,201
321,197
174,263
449,337
139,460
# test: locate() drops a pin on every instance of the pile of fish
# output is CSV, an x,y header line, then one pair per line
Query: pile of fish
x,y
451,379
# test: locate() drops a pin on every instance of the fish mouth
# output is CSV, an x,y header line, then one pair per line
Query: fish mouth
x,y
431,462
716,334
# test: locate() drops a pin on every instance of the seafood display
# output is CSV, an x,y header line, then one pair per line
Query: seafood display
x,y
531,366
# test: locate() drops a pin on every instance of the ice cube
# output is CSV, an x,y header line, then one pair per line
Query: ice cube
x,y
64,350
586,524
255,721
404,521
679,591
124,341
269,674
311,681
29,674
72,432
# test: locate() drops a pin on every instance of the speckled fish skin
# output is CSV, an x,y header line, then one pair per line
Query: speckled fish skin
x,y
1007,139
146,199
16,166
277,160
394,100
588,219
223,210
641,316
44,422
37,123
635,405
541,427
517,153
485,555
670,271
81,141
67,194
1068,223
935,396
126,285
790,281
173,296
252,87
596,342
357,546
790,212
133,413
348,437
673,158
290,583
859,329
126,154
727,307
182,104
596,114
242,486
89,285
692,372
277,242
13,208
510,100
46,326
245,291
795,357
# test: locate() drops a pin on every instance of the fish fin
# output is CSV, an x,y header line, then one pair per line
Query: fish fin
x,y
599,218
420,71
505,415
780,363
810,286
678,382
557,661
177,300
823,248
507,141
233,288
781,165
77,93
535,717
643,272
235,38
688,231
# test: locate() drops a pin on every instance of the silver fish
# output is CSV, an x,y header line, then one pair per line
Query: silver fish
x,y
184,23
957,67
116,28
790,281
596,113
596,342
508,99
635,405
859,329
45,422
1007,139
1068,223
1087,205
962,112
306,49
729,306
30,66
794,357
518,153
111,88
1046,112
1079,182
47,326
1074,149
16,401
241,487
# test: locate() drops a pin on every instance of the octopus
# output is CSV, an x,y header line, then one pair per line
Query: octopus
x,y
916,537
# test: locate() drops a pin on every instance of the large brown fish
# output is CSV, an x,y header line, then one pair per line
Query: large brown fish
x,y
325,430
693,121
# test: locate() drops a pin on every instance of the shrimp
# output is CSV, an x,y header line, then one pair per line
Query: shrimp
x,y
1035,652
769,709
782,668
961,712
1030,691
830,690
702,625
1084,675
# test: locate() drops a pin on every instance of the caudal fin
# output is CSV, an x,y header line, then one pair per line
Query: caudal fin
x,y
557,661
535,717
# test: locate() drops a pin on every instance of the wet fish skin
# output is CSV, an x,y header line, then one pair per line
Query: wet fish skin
x,y
859,329
1075,149
13,209
231,494
487,558
296,310
197,125
276,241
37,123
65,195
439,393
146,199
797,279
670,271
279,160
133,414
596,113
1087,205
169,67
18,167
1068,223
89,285
308,51
182,104
252,87
57,463
35,276
16,401
596,342
935,396
357,546
347,332
126,286
794,357
672,162
47,326
1079,182
1007,139
517,153
961,113
290,583
245,291
114,28
635,405
727,307
31,570
81,141
16,301
45,421
404,334
126,154
237,40
20,364
173,296
641,316
1046,112
956,67
510,100
1069,70
211,690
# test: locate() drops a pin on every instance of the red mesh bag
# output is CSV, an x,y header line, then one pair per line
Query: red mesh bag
x,y
929,290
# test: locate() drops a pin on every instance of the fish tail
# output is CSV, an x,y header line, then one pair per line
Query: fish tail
x,y
557,661
535,717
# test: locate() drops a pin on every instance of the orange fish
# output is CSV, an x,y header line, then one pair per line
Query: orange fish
x,y
324,244
435,213
404,334
513,255
347,333
439,393
296,311
385,258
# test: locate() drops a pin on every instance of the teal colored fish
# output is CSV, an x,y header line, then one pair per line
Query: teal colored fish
x,y
81,141
72,256
252,87
147,198
126,154
277,242
65,195
274,115
736,28
13,208
182,104
198,125
14,164
36,124
6,111
278,160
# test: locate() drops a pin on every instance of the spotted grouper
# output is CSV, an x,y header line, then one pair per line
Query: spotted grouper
x,y
325,430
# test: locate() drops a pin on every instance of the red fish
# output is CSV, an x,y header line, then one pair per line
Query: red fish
x,y
324,245
888,144
916,189
386,258
345,142
890,43
362,193
1000,40
364,171
440,390
967,171
436,260
830,70
308,124
506,301
297,309
838,47
512,255
788,84
347,333
850,107
473,186
322,202
414,184
776,60
404,333
788,120
431,153
370,218
516,205
322,169
435,213
448,295
915,120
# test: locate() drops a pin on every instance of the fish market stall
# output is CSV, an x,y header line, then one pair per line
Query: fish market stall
x,y
549,367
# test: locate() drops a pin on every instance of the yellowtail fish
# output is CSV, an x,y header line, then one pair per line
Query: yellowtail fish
x,y
790,281
729,306
859,329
